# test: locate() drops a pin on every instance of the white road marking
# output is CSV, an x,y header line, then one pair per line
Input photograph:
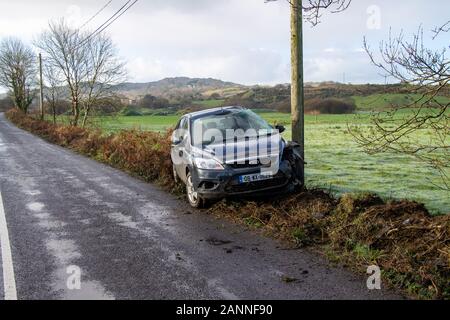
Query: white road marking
x,y
9,281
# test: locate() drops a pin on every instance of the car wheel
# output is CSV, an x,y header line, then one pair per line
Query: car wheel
x,y
175,175
193,197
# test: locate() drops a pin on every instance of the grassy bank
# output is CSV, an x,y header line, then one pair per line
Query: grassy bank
x,y
411,246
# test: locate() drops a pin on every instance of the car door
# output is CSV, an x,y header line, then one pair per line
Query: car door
x,y
182,148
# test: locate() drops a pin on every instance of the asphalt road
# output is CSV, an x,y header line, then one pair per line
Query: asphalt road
x,y
130,240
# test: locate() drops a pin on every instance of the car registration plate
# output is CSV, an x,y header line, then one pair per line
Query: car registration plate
x,y
254,177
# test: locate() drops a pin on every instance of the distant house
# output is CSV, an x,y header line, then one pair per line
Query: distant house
x,y
127,101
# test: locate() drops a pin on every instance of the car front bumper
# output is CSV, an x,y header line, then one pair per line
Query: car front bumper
x,y
211,184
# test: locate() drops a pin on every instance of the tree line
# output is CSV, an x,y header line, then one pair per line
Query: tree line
x,y
78,66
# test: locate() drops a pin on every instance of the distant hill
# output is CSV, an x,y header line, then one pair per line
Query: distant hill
x,y
191,94
173,88
367,97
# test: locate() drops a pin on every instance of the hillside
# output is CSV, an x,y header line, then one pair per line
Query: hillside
x,y
367,97
170,95
174,88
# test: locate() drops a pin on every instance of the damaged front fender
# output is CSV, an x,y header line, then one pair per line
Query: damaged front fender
x,y
292,153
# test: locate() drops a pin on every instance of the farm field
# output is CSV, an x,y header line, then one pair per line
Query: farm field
x,y
386,101
334,160
211,103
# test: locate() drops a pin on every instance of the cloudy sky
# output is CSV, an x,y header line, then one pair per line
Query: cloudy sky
x,y
245,41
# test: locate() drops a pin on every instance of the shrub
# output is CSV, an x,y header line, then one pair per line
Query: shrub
x,y
130,111
143,154
329,106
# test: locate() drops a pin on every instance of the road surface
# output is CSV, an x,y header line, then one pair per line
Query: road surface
x,y
77,229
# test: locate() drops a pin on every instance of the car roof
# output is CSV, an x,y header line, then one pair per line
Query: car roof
x,y
213,111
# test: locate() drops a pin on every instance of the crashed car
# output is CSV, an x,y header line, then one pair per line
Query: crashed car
x,y
231,151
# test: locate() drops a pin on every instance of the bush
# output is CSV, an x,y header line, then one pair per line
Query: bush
x,y
143,154
329,106
152,102
130,111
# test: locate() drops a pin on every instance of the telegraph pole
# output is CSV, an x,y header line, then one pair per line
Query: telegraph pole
x,y
297,89
41,86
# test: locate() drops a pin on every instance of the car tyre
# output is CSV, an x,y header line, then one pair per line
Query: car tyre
x,y
193,197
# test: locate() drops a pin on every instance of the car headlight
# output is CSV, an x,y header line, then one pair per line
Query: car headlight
x,y
207,164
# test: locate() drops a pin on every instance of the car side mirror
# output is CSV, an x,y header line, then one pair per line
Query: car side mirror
x,y
280,128
176,140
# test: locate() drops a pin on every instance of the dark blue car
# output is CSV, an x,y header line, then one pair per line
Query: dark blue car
x,y
231,151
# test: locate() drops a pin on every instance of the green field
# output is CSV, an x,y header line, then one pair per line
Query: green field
x,y
334,160
386,101
211,103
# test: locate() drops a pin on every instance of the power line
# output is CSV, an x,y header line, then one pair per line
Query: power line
x,y
119,16
95,15
115,14
110,21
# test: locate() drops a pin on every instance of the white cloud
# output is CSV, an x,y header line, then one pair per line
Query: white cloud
x,y
74,16
252,66
142,69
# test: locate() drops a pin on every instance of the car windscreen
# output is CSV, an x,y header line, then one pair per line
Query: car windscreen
x,y
242,120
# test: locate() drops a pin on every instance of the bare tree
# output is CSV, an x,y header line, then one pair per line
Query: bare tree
x,y
425,73
54,88
104,70
86,63
18,71
62,49
444,28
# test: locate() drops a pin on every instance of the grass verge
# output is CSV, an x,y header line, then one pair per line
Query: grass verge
x,y
411,246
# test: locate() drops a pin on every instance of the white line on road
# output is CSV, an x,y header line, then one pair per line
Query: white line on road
x,y
9,281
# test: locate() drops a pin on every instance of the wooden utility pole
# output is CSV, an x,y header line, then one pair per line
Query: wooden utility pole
x,y
297,90
41,86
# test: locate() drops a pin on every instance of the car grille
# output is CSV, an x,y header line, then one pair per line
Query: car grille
x,y
248,164
244,165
